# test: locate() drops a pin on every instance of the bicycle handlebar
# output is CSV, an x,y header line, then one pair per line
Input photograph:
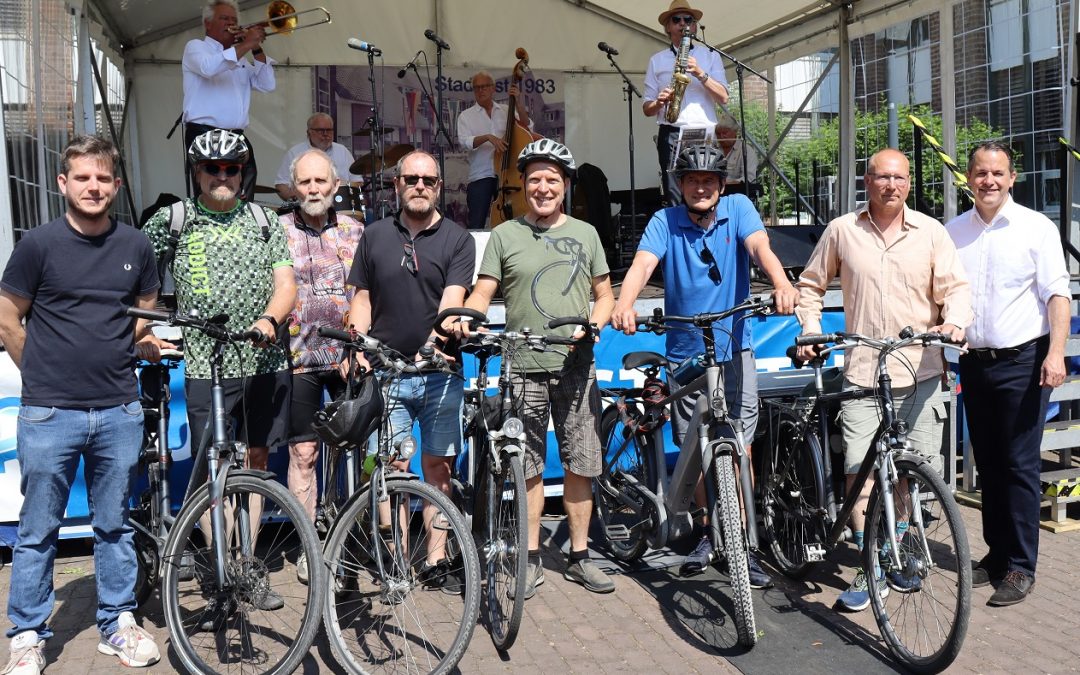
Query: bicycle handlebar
x,y
657,322
384,356
590,330
475,319
214,327
885,346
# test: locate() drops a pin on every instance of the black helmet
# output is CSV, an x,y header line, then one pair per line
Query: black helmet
x,y
347,422
219,145
701,158
547,150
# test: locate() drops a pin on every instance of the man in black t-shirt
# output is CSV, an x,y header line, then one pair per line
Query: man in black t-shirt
x,y
71,280
407,269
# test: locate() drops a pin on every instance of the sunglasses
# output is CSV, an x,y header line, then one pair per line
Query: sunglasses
x,y
409,261
683,19
429,181
707,258
230,170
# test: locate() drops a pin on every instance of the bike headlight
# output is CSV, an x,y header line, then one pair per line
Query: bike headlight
x,y
513,427
407,448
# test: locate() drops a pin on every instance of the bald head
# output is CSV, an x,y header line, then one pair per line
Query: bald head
x,y
887,181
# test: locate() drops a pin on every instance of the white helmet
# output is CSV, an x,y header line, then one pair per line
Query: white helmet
x,y
547,150
218,145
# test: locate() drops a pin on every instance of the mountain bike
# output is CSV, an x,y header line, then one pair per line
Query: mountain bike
x,y
388,609
925,619
639,506
222,560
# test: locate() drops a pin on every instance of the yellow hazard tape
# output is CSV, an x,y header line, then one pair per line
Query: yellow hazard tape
x,y
958,174
1072,149
1063,488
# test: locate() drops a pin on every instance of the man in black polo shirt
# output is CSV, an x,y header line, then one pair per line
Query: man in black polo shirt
x,y
71,280
407,269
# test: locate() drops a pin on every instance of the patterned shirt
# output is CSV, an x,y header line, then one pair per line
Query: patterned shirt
x,y
322,261
223,266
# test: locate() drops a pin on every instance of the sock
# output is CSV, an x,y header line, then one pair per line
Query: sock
x,y
534,556
858,536
901,529
575,556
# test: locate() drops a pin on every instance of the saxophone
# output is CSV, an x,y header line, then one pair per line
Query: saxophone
x,y
679,79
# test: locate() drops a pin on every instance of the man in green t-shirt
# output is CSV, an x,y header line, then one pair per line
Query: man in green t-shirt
x,y
547,264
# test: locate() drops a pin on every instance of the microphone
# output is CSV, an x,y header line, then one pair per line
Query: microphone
x,y
430,34
607,49
356,43
410,64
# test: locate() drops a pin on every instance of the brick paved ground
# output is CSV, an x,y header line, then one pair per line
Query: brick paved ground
x,y
657,623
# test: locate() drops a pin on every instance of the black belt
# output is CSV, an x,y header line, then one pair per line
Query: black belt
x,y
200,125
994,353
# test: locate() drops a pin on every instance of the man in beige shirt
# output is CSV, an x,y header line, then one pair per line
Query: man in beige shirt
x,y
897,268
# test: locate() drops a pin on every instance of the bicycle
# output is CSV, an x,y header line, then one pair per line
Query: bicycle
x,y
490,488
925,621
220,563
378,617
639,505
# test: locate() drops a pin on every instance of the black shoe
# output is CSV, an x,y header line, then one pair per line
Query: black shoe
x,y
216,614
981,575
1013,589
440,576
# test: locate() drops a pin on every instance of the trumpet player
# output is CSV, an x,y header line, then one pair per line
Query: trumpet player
x,y
218,79
707,86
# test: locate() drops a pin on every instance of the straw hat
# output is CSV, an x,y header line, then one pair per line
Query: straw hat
x,y
677,7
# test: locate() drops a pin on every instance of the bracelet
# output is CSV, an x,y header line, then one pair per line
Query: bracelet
x,y
257,51
272,320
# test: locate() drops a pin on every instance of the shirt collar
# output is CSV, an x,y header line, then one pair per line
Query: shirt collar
x,y
864,210
720,216
1003,214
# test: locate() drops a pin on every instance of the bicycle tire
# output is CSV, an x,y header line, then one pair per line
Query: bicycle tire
x,y
636,460
377,623
236,628
506,557
727,516
148,567
924,627
792,494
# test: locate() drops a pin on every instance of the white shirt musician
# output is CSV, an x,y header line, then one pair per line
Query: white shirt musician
x,y
320,135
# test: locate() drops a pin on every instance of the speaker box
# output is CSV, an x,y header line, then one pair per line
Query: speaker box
x,y
793,244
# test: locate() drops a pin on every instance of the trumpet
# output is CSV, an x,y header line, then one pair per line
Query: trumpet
x,y
282,19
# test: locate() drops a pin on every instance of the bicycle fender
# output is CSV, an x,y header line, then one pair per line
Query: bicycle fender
x,y
257,473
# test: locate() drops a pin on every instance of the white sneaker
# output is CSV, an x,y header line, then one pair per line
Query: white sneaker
x,y
134,646
27,657
302,569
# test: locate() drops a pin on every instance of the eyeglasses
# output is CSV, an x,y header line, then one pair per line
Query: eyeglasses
x,y
707,257
215,169
483,86
429,181
886,178
327,130
683,19
409,261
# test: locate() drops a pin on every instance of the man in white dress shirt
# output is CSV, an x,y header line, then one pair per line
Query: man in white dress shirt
x,y
1020,296
708,86
320,136
480,130
218,81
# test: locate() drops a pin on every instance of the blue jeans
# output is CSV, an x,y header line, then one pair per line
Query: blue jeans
x,y
436,400
50,443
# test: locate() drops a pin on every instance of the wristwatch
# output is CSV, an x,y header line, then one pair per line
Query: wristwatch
x,y
704,78
272,320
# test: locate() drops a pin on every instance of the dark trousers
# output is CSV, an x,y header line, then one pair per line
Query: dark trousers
x,y
1006,409
478,197
247,178
666,138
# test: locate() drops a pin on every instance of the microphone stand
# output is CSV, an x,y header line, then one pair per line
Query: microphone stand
x,y
376,133
440,146
629,91
440,128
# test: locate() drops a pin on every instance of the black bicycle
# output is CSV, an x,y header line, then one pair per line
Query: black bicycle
x,y
925,617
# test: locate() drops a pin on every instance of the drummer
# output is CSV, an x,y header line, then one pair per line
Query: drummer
x,y
320,136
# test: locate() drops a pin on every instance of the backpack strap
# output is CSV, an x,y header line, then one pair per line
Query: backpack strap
x,y
259,214
177,215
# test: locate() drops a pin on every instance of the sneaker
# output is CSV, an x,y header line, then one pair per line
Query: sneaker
x,y
903,580
442,576
270,601
586,573
1013,589
301,569
534,576
698,560
216,614
857,597
27,657
759,578
133,645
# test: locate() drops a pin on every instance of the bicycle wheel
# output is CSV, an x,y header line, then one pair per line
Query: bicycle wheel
x,y
400,618
628,460
148,565
792,491
234,626
504,549
925,616
727,517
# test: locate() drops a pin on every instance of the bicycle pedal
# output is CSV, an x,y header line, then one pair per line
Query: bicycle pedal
x,y
814,552
617,532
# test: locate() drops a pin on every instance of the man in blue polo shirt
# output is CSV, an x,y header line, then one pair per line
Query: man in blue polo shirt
x,y
707,270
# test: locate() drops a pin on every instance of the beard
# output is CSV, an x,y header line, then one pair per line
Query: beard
x,y
317,208
223,193
419,207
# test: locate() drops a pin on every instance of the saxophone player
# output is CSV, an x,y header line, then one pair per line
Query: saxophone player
x,y
706,88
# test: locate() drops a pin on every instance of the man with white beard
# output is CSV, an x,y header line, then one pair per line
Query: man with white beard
x,y
322,244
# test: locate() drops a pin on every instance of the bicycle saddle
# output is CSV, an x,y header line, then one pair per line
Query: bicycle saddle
x,y
638,359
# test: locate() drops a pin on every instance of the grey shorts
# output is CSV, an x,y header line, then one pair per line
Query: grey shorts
x,y
740,392
572,401
859,420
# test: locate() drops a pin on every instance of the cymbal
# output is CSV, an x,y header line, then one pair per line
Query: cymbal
x,y
265,190
367,131
372,162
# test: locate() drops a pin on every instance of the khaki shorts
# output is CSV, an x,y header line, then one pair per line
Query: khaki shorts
x,y
859,420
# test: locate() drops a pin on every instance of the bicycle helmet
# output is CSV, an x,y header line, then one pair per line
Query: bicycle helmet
x,y
347,422
218,145
547,150
701,158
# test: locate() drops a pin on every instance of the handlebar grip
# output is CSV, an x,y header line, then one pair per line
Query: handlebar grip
x,y
553,340
570,321
473,315
151,314
335,333
818,339
792,353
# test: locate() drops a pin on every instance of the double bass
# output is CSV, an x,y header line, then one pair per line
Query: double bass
x,y
509,199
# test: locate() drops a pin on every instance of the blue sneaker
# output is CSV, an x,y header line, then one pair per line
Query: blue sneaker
x,y
857,597
901,583
759,578
698,560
